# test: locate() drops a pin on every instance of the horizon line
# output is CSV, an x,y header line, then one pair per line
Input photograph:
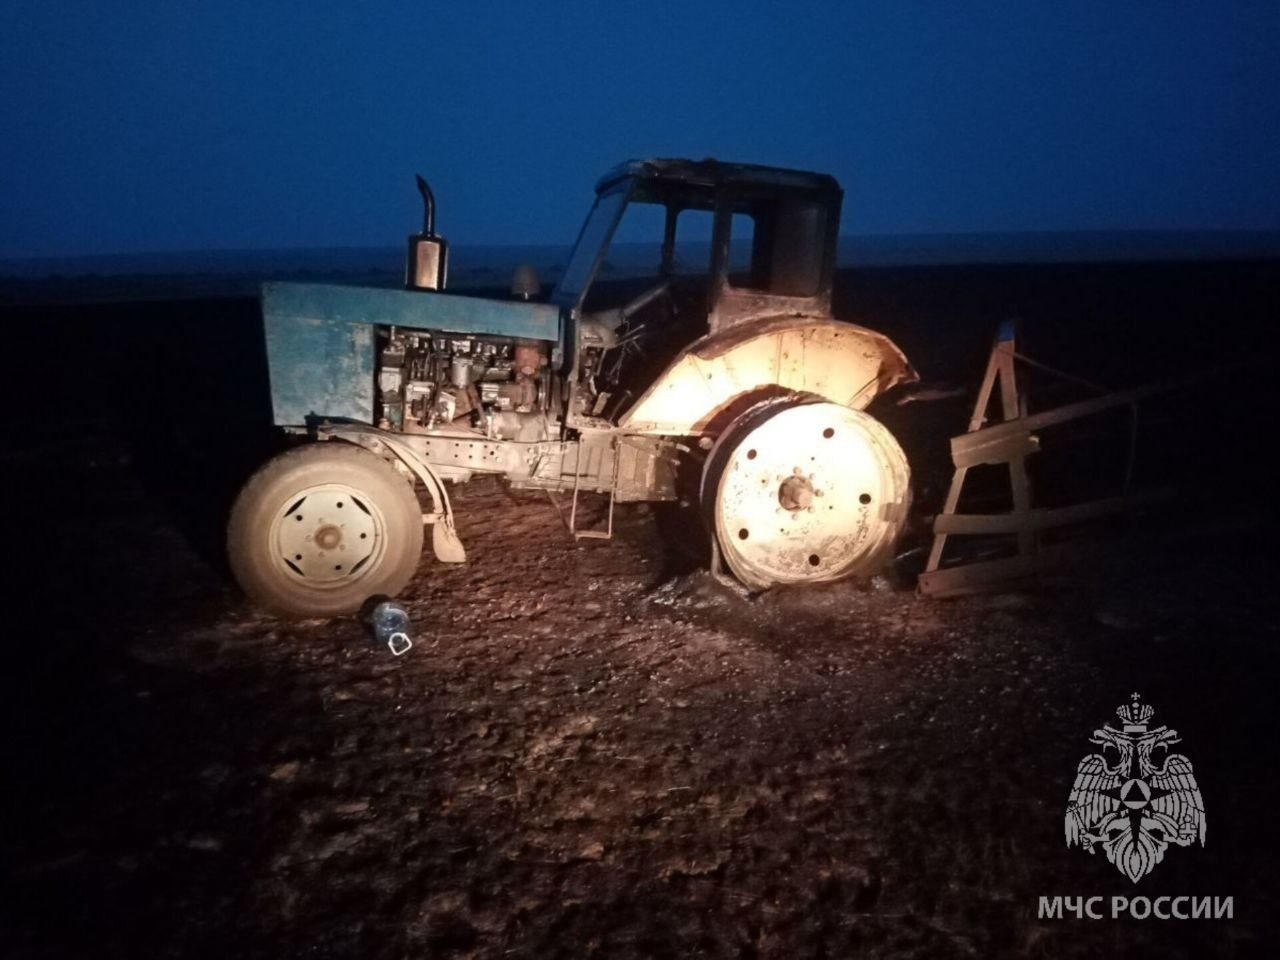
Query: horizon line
x,y
1007,235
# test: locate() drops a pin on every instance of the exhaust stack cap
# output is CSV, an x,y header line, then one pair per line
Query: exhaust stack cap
x,y
427,264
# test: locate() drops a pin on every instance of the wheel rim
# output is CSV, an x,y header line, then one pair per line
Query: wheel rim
x,y
327,536
805,492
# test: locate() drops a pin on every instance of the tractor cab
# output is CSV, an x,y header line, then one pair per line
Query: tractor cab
x,y
677,250
762,238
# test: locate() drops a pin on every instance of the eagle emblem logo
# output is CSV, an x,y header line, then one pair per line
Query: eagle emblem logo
x,y
1134,797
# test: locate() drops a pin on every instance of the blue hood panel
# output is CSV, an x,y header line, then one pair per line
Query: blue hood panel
x,y
321,343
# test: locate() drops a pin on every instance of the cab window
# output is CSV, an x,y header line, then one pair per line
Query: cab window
x,y
786,239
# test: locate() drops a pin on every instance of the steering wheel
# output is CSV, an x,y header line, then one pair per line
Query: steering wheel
x,y
642,301
613,332
612,328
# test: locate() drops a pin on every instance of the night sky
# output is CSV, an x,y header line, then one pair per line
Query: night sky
x,y
149,126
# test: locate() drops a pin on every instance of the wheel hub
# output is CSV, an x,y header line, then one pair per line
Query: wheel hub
x,y
326,534
796,492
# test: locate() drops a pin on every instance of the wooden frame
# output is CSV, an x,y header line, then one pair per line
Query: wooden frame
x,y
1010,442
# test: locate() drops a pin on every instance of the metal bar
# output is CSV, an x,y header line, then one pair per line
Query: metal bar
x,y
605,534
573,508
977,524
1010,403
957,479
1001,450
979,416
1037,421
976,577
970,578
1062,375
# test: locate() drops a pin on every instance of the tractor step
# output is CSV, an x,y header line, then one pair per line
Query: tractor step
x,y
605,534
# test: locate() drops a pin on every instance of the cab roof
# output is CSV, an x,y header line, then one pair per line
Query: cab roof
x,y
709,175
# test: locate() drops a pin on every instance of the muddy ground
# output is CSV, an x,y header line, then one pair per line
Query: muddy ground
x,y
593,749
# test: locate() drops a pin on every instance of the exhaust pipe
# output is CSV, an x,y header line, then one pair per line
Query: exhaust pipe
x,y
427,267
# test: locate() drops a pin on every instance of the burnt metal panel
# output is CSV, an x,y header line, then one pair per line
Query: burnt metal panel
x,y
713,174
320,339
706,382
318,366
421,309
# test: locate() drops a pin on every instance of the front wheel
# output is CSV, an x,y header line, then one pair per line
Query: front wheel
x,y
320,529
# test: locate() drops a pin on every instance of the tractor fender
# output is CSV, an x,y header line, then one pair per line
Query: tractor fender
x,y
711,379
445,542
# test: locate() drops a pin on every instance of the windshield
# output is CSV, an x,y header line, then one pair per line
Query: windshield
x,y
589,250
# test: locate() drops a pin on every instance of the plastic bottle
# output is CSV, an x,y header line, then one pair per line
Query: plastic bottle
x,y
390,623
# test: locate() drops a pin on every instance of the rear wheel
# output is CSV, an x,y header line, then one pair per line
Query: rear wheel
x,y
321,528
801,491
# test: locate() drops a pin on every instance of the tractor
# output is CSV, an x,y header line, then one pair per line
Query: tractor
x,y
716,377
